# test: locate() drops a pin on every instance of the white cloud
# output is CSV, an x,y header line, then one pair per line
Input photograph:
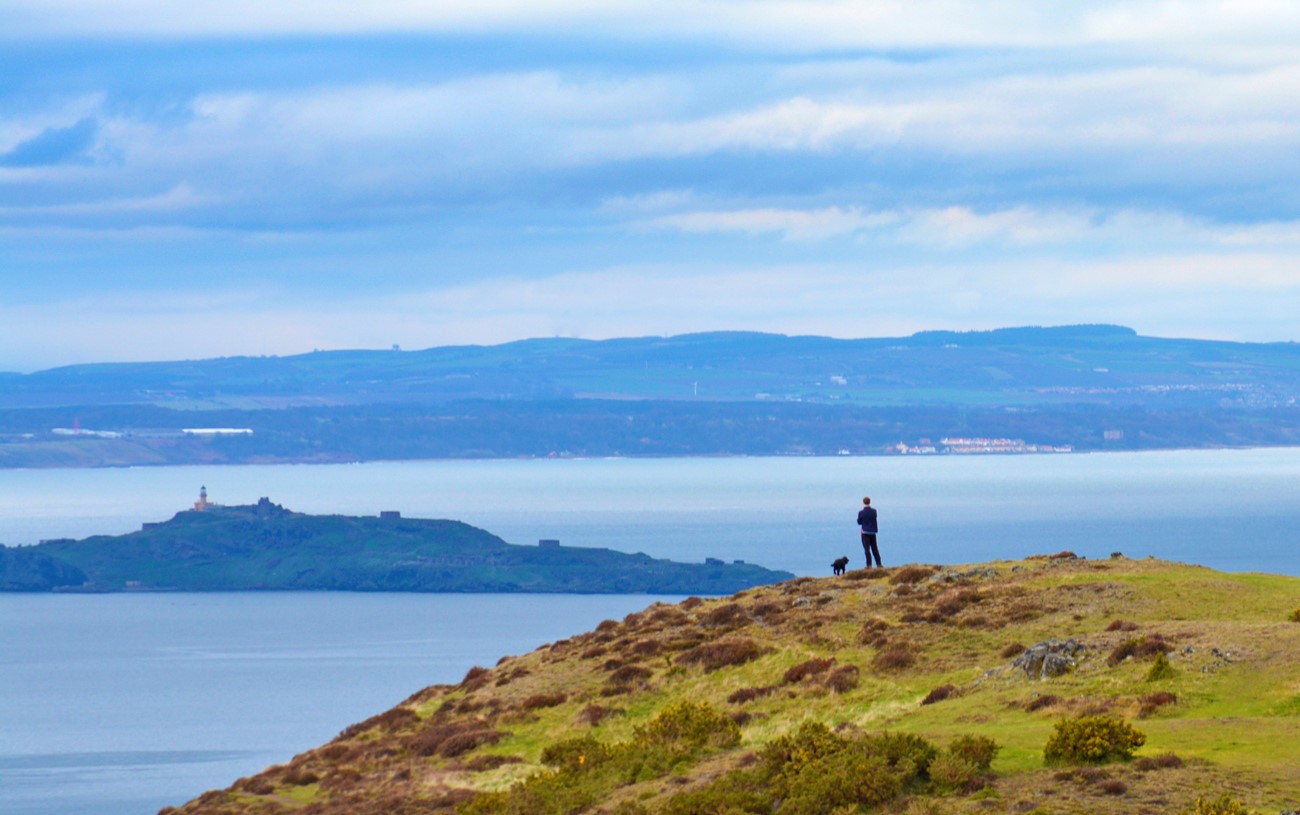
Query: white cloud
x,y
792,224
180,197
776,24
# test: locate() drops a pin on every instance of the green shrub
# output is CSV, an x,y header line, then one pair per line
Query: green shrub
x,y
1295,616
1092,740
687,726
1161,669
1223,805
583,752
587,770
978,750
813,771
845,778
949,773
903,750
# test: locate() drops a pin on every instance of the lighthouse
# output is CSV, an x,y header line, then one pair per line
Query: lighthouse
x,y
201,505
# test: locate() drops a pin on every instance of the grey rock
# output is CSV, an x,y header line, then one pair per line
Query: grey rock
x,y
1050,658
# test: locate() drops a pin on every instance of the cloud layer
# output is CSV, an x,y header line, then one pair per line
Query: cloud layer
x,y
271,177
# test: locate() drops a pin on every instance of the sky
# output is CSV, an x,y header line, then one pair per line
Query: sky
x,y
183,180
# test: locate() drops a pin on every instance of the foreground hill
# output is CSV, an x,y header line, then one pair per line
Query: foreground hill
x,y
265,546
914,689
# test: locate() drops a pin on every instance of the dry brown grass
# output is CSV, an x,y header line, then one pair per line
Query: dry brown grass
x,y
895,657
807,670
727,615
1147,646
843,679
910,575
939,694
595,714
544,700
744,695
714,655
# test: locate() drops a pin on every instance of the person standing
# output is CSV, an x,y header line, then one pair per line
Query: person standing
x,y
867,523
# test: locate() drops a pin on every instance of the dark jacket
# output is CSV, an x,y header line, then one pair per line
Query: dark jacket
x,y
867,520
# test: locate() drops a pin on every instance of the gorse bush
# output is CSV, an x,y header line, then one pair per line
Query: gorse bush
x,y
1161,669
810,771
1295,616
587,770
949,772
687,726
1092,740
978,750
814,771
1223,805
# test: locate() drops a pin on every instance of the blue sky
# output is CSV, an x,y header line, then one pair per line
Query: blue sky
x,y
206,179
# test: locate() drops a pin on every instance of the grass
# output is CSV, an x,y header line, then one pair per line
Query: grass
x,y
1234,663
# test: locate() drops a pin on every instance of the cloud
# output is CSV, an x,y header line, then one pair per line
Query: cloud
x,y
178,198
774,24
56,145
792,224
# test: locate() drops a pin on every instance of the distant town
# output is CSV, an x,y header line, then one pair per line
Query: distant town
x,y
977,446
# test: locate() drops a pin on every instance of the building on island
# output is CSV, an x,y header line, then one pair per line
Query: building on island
x,y
201,505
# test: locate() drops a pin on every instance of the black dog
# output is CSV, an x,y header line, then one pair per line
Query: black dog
x,y
839,564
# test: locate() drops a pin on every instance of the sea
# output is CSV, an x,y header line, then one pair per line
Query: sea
x,y
122,704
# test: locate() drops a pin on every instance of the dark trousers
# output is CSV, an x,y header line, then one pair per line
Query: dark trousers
x,y
869,547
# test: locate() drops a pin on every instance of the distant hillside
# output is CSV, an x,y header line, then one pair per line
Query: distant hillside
x,y
1084,387
1050,685
265,546
1019,365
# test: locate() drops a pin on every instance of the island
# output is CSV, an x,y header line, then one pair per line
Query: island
x,y
264,546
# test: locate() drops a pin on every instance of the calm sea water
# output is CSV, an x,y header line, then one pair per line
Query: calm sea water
x,y
124,703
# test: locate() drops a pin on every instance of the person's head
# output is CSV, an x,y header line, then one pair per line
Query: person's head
x,y
866,502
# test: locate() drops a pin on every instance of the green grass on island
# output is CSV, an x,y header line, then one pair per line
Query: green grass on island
x,y
1050,685
267,547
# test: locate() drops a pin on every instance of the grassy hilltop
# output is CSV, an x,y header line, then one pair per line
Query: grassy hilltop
x,y
901,690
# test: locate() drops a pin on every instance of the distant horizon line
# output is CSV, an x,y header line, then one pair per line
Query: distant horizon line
x,y
1084,328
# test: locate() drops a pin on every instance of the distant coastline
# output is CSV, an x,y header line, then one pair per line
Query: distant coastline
x,y
1015,391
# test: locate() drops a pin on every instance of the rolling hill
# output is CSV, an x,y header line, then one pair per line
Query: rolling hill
x,y
1050,685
